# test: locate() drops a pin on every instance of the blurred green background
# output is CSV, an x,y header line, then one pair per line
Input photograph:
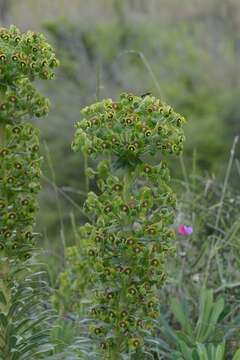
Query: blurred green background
x,y
187,52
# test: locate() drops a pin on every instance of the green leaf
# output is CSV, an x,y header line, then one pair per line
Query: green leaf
x,y
202,352
237,355
205,307
214,316
186,351
190,341
176,356
220,352
180,314
211,352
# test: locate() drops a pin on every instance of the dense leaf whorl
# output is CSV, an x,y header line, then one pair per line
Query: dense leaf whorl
x,y
129,234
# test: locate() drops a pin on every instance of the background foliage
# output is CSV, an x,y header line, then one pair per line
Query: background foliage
x,y
188,54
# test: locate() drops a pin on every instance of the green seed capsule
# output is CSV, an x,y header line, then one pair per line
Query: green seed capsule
x,y
7,234
125,208
44,63
28,235
2,57
2,205
108,209
98,238
110,295
4,152
132,291
13,99
155,262
124,314
179,122
35,148
148,133
115,106
18,166
98,331
112,315
137,249
104,145
111,238
91,252
132,148
15,58
147,169
110,115
12,216
117,187
25,202
10,179
136,343
93,311
140,323
16,130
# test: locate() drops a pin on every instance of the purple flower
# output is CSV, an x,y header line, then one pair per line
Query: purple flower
x,y
185,230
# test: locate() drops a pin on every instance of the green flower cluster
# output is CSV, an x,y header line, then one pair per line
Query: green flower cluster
x,y
25,55
130,231
23,58
129,129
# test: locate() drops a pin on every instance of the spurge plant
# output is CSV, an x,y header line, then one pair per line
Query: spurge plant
x,y
23,58
129,233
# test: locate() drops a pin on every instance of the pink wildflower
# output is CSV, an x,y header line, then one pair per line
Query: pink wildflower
x,y
185,230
